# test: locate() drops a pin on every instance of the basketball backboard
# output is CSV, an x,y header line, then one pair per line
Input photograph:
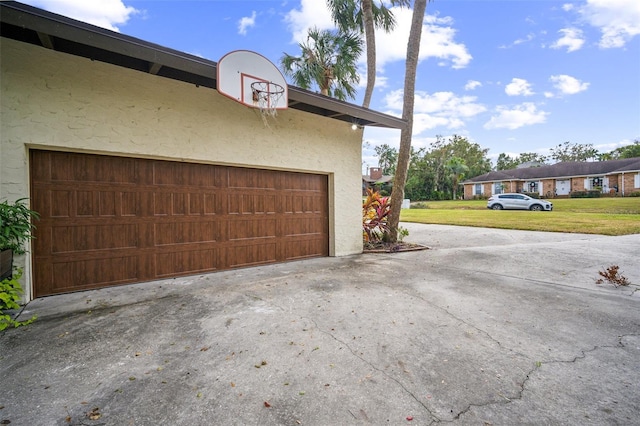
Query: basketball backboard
x,y
240,69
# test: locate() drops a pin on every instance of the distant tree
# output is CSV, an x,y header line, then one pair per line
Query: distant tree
x,y
535,159
527,159
457,169
573,152
506,162
328,60
387,158
628,151
430,178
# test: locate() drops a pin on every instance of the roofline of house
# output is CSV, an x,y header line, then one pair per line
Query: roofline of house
x,y
553,177
59,33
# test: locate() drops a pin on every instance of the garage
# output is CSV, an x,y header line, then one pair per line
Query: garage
x,y
108,220
143,165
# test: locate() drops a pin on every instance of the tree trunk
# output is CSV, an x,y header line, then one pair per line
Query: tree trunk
x,y
369,34
404,154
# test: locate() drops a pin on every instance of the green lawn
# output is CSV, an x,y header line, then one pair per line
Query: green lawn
x,y
606,216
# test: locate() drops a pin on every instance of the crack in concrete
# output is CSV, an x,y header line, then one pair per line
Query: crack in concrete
x,y
536,367
435,418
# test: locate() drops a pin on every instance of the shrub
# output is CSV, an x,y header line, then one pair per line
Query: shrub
x,y
635,194
585,194
10,294
15,225
375,211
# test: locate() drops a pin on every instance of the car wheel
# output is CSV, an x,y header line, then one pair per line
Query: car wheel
x,y
536,208
497,207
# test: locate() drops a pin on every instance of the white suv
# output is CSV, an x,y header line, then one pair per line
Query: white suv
x,y
518,202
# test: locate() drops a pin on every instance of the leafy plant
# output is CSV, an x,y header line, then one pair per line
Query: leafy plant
x,y
402,233
375,211
15,225
613,276
10,293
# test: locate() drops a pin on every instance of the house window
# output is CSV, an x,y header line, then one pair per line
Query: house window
x,y
596,182
477,190
532,186
636,181
497,188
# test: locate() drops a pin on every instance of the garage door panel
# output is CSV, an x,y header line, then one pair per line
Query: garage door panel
x,y
252,203
66,239
299,226
299,249
172,233
251,254
130,220
246,229
60,204
86,168
93,273
253,179
186,262
185,175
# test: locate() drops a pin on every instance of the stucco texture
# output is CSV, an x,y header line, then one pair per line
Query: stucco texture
x,y
52,100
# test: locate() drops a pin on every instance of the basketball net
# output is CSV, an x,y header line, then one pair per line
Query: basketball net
x,y
266,97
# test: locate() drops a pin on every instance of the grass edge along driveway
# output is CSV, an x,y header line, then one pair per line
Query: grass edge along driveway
x,y
603,216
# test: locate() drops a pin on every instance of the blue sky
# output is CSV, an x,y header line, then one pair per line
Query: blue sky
x,y
513,76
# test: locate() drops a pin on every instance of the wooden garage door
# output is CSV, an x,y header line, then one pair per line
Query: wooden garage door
x,y
111,220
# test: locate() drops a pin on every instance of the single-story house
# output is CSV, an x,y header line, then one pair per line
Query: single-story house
x,y
375,180
141,170
614,177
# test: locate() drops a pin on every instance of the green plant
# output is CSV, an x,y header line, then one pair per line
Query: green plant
x,y
402,233
613,276
15,225
375,211
10,294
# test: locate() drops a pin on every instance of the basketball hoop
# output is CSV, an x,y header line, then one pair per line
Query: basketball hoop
x,y
266,96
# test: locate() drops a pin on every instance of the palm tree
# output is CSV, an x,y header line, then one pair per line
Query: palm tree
x,y
365,16
328,60
457,170
404,154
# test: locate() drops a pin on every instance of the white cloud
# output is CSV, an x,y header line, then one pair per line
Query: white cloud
x,y
312,13
567,85
525,114
618,20
472,85
107,14
527,39
246,22
437,41
437,35
518,87
572,39
567,7
438,109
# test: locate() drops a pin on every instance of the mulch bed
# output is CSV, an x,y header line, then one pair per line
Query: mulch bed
x,y
399,247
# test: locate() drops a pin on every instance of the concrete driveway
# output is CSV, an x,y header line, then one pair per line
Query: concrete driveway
x,y
488,327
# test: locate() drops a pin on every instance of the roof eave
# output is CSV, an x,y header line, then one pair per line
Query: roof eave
x,y
97,43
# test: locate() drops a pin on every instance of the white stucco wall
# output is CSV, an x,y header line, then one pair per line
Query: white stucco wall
x,y
57,101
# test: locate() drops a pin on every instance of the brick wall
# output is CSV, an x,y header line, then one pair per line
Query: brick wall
x,y
628,184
